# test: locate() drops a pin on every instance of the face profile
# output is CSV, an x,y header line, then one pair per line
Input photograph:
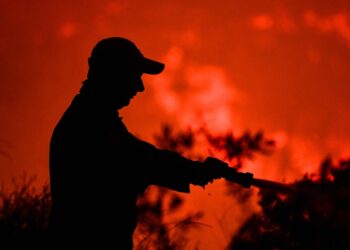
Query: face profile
x,y
116,67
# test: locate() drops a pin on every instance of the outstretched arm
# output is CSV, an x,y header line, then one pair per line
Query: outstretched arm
x,y
170,169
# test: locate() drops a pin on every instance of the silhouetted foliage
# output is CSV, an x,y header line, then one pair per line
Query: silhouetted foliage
x,y
180,142
24,214
153,209
237,148
234,149
315,216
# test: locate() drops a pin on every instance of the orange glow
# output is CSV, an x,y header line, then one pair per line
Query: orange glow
x,y
280,138
114,8
313,55
338,23
188,92
262,22
277,66
67,30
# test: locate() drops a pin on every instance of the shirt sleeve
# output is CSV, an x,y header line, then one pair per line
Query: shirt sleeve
x,y
165,168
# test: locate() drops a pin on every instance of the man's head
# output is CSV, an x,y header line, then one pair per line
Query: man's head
x,y
115,69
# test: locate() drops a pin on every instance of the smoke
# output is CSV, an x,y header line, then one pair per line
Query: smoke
x,y
187,91
337,23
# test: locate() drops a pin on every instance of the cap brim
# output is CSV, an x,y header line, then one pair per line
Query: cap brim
x,y
152,67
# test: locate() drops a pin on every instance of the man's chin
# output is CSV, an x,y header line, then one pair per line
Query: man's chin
x,y
123,104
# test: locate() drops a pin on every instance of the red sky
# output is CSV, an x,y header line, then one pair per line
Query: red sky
x,y
278,66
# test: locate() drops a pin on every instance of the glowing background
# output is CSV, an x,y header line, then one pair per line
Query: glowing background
x,y
280,66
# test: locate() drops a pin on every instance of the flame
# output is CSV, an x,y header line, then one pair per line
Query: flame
x,y
189,91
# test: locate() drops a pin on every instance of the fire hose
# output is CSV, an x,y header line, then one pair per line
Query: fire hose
x,y
222,169
247,180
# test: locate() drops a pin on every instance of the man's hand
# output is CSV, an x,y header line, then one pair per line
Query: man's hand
x,y
214,168
211,170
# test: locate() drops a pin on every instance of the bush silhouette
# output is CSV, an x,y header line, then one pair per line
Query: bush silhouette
x,y
24,214
315,216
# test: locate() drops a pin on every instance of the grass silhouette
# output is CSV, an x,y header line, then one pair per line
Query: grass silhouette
x,y
24,214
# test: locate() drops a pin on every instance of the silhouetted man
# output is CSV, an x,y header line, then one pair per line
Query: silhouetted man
x,y
97,167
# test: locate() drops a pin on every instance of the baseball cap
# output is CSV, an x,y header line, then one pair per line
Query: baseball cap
x,y
121,52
